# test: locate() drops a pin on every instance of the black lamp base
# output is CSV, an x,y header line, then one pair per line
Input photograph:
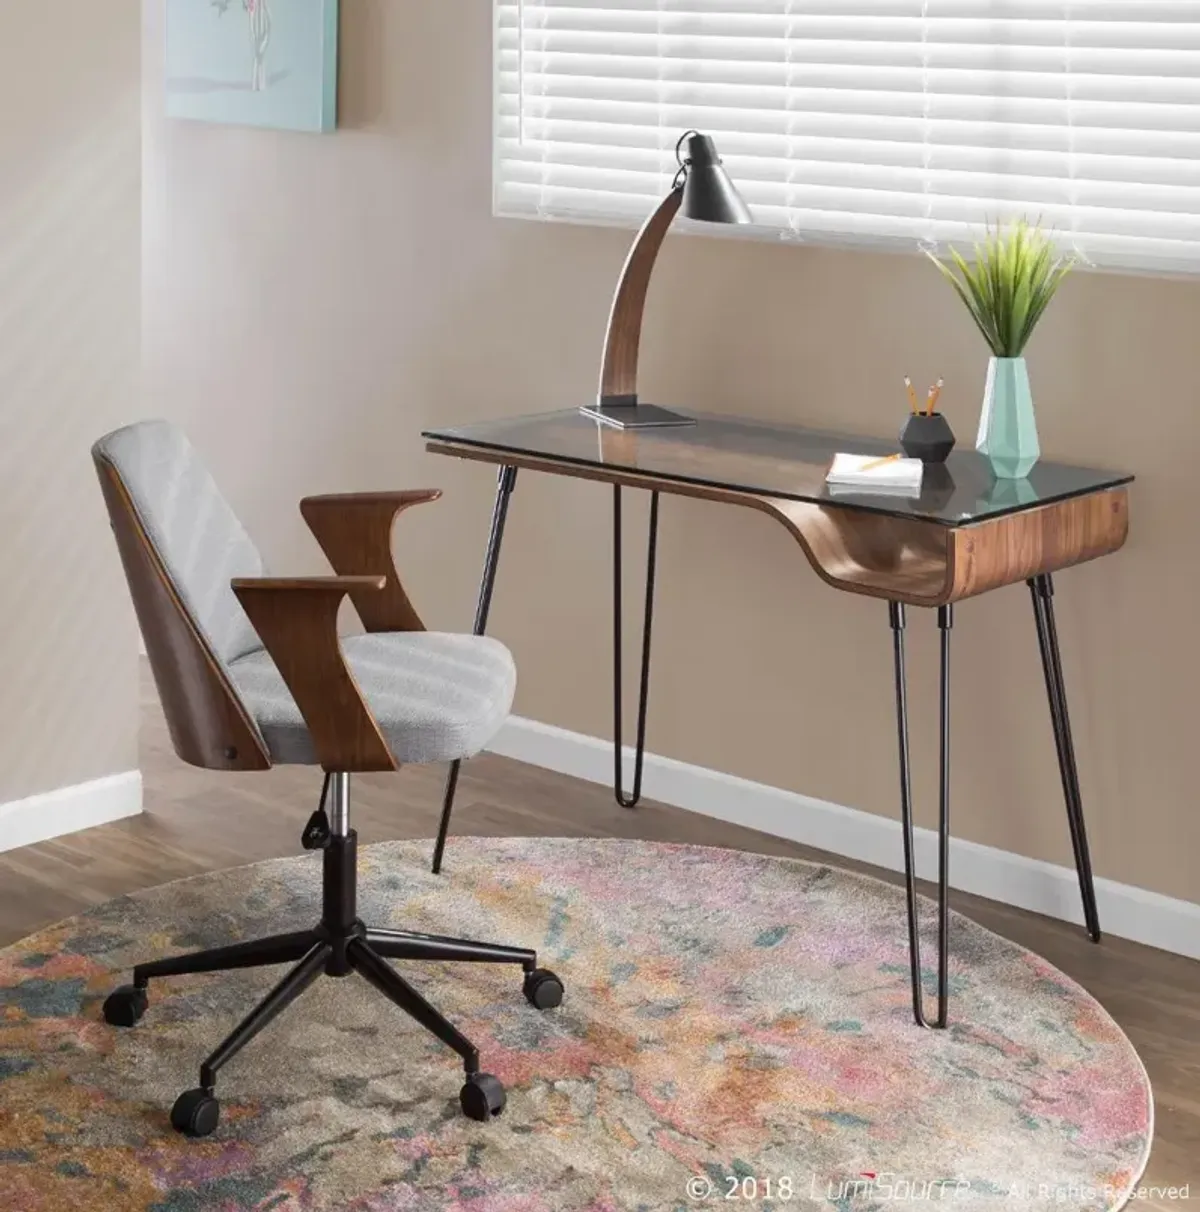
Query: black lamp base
x,y
629,414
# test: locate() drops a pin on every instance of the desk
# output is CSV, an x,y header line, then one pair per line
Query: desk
x,y
967,533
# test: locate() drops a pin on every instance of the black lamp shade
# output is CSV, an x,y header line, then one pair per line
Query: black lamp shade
x,y
708,194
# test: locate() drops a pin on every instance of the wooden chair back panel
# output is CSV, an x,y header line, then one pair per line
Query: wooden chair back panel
x,y
209,726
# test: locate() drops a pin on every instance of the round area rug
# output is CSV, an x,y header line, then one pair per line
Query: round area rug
x,y
736,1032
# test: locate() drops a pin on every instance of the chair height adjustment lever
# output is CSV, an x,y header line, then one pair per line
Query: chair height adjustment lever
x,y
316,833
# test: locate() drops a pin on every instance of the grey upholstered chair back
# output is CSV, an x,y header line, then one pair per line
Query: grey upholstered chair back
x,y
196,535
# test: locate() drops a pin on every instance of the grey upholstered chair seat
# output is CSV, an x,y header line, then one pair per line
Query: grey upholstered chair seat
x,y
437,697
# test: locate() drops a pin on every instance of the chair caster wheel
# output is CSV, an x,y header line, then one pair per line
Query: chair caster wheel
x,y
196,1113
543,989
482,1097
124,1006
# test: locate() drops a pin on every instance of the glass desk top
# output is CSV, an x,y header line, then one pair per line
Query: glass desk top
x,y
787,461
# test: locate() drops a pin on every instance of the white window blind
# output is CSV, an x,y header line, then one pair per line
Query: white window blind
x,y
882,122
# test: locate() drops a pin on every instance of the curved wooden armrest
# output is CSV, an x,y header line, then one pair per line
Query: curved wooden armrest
x,y
355,533
296,618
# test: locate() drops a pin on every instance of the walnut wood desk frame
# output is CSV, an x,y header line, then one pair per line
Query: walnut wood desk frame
x,y
905,561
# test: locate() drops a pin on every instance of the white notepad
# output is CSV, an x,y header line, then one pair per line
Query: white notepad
x,y
864,473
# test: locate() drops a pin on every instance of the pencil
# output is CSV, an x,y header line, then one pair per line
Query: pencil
x,y
912,396
934,392
879,462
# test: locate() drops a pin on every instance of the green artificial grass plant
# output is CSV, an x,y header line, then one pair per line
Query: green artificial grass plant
x,y
1015,274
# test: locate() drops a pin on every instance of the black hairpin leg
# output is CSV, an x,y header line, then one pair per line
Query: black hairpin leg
x,y
945,623
1042,590
506,480
631,800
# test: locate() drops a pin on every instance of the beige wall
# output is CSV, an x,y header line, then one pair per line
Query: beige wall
x,y
312,302
70,171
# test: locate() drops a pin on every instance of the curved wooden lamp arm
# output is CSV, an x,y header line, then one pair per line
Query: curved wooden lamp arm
x,y
296,618
355,533
618,371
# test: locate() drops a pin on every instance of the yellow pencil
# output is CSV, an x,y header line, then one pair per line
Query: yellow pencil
x,y
879,462
934,392
912,395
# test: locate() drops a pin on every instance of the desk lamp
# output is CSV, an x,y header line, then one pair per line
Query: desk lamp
x,y
702,190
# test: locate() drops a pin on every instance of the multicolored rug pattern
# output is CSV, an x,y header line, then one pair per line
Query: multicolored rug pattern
x,y
733,1023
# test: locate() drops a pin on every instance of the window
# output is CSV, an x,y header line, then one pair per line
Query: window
x,y
887,123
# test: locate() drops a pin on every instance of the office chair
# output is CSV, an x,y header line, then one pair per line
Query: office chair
x,y
252,673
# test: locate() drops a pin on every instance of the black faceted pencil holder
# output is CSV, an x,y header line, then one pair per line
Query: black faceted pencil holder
x,y
927,437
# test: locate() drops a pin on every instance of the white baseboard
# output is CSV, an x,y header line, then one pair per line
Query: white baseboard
x,y
69,809
1012,879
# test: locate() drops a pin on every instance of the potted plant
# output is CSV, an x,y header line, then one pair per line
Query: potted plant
x,y
1015,274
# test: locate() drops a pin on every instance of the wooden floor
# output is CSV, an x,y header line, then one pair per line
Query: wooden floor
x,y
196,821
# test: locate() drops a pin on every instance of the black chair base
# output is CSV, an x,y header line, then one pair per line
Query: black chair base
x,y
338,945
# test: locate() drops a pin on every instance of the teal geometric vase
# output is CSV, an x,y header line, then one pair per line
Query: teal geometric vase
x,y
1007,427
